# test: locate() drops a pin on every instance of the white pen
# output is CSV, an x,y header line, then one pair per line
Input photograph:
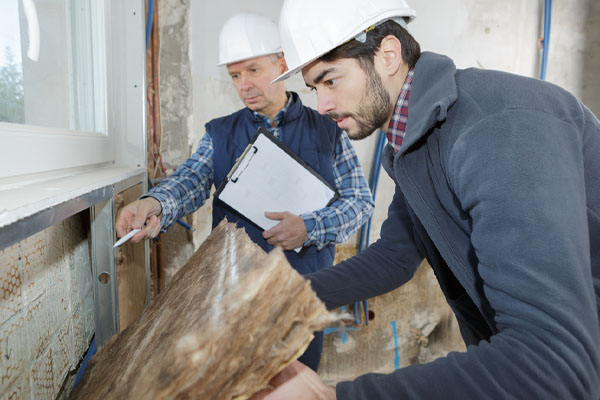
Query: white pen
x,y
126,237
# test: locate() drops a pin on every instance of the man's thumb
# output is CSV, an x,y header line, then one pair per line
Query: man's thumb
x,y
274,215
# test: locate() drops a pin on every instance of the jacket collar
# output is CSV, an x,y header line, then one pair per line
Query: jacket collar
x,y
432,94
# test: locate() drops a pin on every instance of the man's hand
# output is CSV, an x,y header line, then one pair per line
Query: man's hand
x,y
135,214
289,233
296,382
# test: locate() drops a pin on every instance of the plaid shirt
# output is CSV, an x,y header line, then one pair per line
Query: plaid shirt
x,y
278,118
189,187
397,128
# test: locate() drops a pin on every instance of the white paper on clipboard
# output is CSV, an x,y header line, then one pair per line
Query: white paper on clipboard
x,y
267,178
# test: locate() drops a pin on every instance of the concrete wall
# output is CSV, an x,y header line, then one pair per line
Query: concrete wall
x,y
46,310
175,111
412,324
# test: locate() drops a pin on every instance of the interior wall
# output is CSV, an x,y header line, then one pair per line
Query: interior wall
x,y
46,309
409,325
574,56
176,109
589,52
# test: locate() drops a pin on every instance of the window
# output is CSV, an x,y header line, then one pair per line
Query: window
x,y
73,130
12,107
71,84
55,82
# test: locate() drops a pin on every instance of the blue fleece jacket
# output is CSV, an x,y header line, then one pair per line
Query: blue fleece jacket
x,y
498,186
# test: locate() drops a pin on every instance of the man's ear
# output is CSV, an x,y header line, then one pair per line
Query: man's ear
x,y
282,65
390,55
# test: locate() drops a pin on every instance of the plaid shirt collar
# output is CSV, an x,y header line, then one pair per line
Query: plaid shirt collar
x,y
280,114
397,128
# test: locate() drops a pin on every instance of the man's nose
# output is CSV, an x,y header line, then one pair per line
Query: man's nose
x,y
245,82
325,102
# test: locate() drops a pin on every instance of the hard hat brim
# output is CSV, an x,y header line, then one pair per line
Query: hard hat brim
x,y
248,58
287,74
381,18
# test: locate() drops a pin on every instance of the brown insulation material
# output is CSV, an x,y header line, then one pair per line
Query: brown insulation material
x,y
230,319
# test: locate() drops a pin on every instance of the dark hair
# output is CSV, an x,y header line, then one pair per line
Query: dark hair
x,y
365,52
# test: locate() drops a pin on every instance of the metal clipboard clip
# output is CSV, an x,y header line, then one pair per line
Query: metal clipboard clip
x,y
239,169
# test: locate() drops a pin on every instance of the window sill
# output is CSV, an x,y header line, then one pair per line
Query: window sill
x,y
29,204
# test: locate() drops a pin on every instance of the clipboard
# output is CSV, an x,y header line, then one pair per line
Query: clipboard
x,y
268,176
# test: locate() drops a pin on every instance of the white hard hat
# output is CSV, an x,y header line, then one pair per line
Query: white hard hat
x,y
247,35
312,28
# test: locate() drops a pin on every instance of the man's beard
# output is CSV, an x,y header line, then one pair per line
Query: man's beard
x,y
373,110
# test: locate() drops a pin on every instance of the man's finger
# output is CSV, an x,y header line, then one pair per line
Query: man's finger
x,y
121,229
153,226
151,230
275,215
272,232
123,222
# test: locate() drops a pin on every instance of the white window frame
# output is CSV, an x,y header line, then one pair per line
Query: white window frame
x,y
48,174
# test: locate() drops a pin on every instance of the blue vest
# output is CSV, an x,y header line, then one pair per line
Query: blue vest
x,y
308,134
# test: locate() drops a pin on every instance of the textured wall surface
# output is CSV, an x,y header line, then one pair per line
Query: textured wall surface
x,y
412,324
46,310
574,55
175,80
590,90
175,110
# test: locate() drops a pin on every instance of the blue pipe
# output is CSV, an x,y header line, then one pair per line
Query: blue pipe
x,y
373,181
149,19
356,313
546,39
374,178
366,228
90,352
186,225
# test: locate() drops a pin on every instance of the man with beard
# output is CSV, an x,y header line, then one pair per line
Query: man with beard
x,y
249,47
496,186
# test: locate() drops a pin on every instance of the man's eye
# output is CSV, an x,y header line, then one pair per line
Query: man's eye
x,y
330,82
